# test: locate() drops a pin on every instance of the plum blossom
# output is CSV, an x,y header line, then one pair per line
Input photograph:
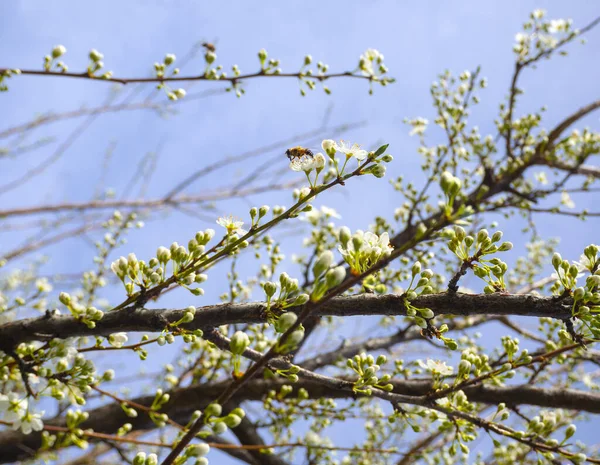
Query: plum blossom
x,y
566,200
231,225
351,150
12,406
437,367
306,164
364,249
367,60
29,422
118,340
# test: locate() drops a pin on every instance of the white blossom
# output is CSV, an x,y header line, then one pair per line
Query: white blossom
x,y
118,339
328,145
29,422
319,161
437,367
365,249
12,406
351,150
419,126
558,25
305,164
566,200
231,225
367,59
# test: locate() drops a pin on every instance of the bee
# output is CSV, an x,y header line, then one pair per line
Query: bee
x,y
210,47
298,152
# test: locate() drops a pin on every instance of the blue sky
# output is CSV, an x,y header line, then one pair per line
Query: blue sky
x,y
419,40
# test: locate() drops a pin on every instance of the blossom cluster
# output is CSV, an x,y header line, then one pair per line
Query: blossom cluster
x,y
362,250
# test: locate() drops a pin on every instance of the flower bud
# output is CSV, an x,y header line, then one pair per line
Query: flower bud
x,y
482,235
163,254
270,288
95,55
446,181
210,57
344,236
416,268
460,233
58,51
262,55
335,276
307,60
64,298
570,431
169,59
285,321
197,450
497,236
262,211
329,146
295,338
322,264
232,420
578,293
379,170
573,271
213,410
464,367
301,299
239,343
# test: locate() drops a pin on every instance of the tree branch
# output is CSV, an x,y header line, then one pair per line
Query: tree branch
x,y
45,328
107,419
